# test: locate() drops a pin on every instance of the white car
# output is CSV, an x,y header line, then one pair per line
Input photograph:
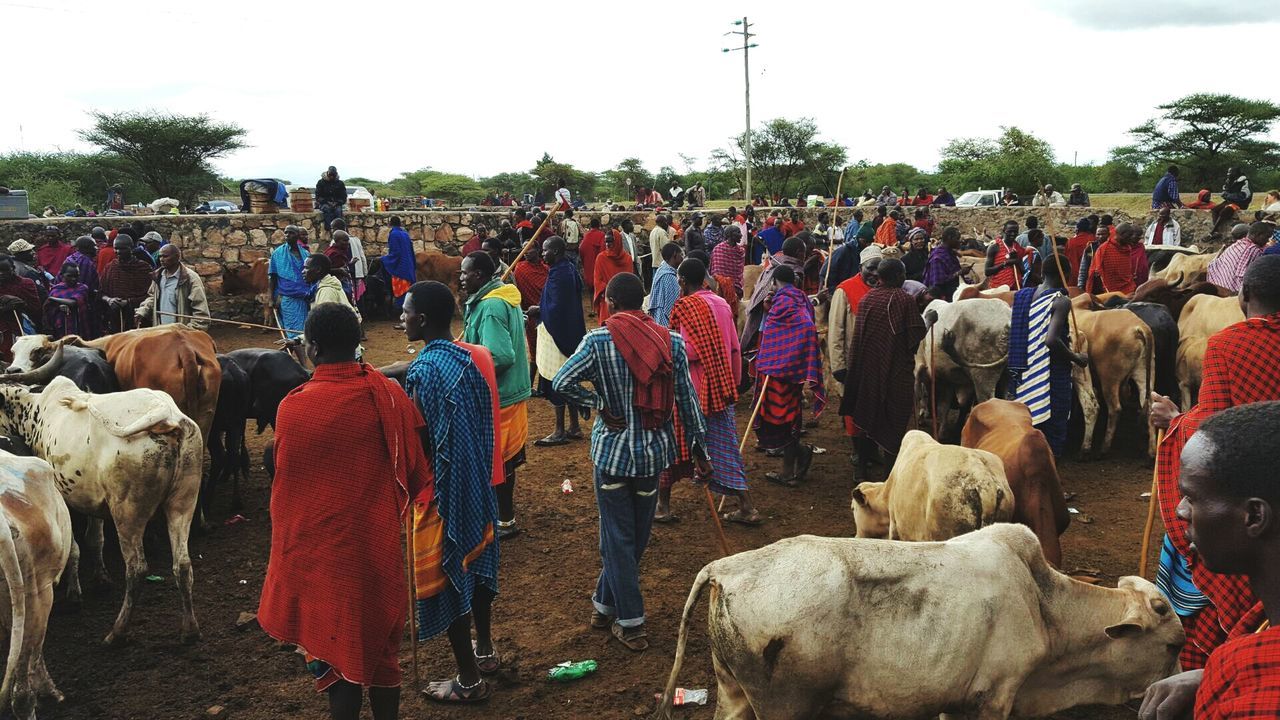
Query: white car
x,y
980,198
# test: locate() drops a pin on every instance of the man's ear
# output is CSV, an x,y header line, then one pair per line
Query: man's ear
x,y
1259,517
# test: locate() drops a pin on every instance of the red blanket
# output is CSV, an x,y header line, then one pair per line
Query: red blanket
x,y
645,347
335,582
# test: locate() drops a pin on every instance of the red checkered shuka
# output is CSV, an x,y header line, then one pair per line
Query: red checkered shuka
x,y
1242,679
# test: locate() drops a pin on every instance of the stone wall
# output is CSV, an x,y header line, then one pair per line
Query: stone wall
x,y
217,244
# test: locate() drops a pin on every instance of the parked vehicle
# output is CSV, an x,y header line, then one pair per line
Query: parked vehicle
x,y
216,207
981,198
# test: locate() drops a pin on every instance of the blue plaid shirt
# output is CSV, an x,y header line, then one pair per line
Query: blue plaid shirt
x,y
665,293
633,451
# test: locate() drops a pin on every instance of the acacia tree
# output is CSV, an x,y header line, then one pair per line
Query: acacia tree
x,y
1017,160
1206,133
170,153
785,154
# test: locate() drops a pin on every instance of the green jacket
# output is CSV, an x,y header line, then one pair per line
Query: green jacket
x,y
493,320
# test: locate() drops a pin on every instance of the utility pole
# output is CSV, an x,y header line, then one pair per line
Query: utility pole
x,y
746,34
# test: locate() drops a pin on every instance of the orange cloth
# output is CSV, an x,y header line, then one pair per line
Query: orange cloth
x,y
399,287
612,261
514,433
887,233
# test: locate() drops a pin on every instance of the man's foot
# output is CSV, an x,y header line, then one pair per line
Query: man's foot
x,y
600,621
666,517
453,692
633,638
804,459
488,664
574,435
555,439
779,479
506,531
743,518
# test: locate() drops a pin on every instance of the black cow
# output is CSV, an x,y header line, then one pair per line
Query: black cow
x,y
1164,329
228,456
86,367
272,375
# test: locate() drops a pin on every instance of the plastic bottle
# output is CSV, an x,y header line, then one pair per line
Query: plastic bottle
x,y
566,487
568,670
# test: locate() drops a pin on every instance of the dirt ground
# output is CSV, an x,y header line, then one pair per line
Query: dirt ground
x,y
547,574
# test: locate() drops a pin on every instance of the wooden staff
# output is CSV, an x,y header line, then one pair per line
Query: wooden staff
x,y
413,594
280,325
755,411
715,516
18,319
225,322
933,379
834,211
1151,509
530,242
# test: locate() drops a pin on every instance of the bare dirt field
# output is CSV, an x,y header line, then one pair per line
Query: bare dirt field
x,y
541,616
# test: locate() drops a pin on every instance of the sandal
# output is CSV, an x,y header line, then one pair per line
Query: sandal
x,y
600,621
667,519
736,516
633,638
574,435
453,692
551,441
777,479
487,664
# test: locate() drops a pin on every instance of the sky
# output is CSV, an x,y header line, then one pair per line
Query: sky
x,y
378,88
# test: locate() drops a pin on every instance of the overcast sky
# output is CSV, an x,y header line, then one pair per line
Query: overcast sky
x,y
381,87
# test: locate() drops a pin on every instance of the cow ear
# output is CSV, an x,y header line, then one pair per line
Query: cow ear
x,y
859,497
1123,630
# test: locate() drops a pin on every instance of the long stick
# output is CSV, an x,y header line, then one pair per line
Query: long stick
x,y
1151,511
18,319
715,516
220,320
413,593
933,379
755,411
284,335
530,242
831,245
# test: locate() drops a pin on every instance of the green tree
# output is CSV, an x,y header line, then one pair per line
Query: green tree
x,y
170,153
786,157
1206,133
66,178
864,177
621,182
516,183
1016,160
451,187
549,175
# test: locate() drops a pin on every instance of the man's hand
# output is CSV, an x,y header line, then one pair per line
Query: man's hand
x,y
823,295
275,302
1172,698
10,302
534,312
1080,359
701,464
1163,411
611,421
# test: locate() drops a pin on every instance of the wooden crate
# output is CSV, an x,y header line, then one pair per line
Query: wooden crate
x,y
261,204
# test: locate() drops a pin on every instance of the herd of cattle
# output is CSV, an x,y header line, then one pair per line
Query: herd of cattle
x,y
116,429
949,599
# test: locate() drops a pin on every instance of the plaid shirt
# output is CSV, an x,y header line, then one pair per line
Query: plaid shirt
x,y
1227,270
1241,366
1242,679
633,451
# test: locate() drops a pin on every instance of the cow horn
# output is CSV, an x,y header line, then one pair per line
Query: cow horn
x,y
39,376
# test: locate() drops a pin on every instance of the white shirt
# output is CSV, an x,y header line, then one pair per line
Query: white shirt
x,y
361,265
564,197
1172,234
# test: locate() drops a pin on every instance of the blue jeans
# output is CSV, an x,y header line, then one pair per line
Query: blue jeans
x,y
330,212
626,519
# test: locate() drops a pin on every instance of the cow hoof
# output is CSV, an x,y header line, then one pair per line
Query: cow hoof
x,y
114,640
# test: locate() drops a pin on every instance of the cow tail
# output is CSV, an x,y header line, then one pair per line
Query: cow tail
x,y
665,707
10,565
192,377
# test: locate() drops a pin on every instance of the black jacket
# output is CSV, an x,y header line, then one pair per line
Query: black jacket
x,y
331,191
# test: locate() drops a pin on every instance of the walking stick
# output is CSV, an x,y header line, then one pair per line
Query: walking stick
x,y
18,319
122,327
1151,510
279,325
715,516
237,323
834,211
933,379
413,594
525,249
755,411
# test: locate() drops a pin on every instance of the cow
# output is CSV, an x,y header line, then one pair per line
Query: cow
x,y
251,280
273,374
1121,349
1204,315
86,367
228,456
1186,265
438,267
1173,295
35,538
124,455
934,492
176,359
1004,429
1190,369
1159,256
1164,331
968,361
844,628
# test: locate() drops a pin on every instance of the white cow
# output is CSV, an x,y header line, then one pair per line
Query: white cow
x,y
968,360
35,519
122,455
844,628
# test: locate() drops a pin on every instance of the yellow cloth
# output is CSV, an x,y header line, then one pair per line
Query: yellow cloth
x,y
514,421
428,551
549,357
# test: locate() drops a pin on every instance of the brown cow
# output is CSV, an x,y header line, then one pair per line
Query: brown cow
x,y
1121,348
439,267
1173,295
1004,429
251,280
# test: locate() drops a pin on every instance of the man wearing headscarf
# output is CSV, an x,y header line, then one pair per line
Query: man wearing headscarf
x,y
613,260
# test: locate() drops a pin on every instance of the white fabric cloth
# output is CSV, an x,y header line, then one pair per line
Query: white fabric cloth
x,y
1172,235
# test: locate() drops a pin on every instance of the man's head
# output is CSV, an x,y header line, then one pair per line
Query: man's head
x,y
1164,214
892,273
99,235
1172,170
625,292
885,190
895,215
170,257
333,334
1050,268
661,221
342,239
52,235
870,272
1260,290
493,248
86,246
1033,221
1102,233
477,271
70,273
1230,499
331,173
628,227
293,235
783,276
691,274
428,311
553,249
1010,231
338,224
595,223
395,221
315,267
733,234
1233,173
918,238
6,268
672,254
124,247
1260,232
568,214
795,247
951,238
1128,234
1239,231
1048,189
857,215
